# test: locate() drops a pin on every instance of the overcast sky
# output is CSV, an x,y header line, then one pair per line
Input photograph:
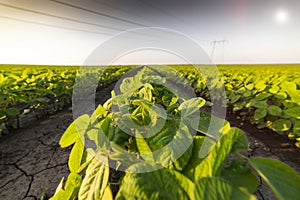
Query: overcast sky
x,y
66,32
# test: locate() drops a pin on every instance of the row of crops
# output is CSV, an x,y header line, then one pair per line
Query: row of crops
x,y
40,90
166,147
267,96
149,127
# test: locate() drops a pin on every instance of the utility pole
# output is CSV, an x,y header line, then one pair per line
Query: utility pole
x,y
214,46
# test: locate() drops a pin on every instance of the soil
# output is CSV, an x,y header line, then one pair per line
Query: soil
x,y
268,144
32,162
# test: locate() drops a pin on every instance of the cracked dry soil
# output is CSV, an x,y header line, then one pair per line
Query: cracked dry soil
x,y
32,162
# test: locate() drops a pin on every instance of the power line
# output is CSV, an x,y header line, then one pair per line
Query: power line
x,y
53,26
107,4
214,45
60,17
157,8
99,13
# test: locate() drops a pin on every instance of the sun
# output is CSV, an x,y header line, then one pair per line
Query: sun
x,y
282,16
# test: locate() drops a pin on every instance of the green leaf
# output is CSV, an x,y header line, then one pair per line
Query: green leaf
x,y
293,112
191,106
239,105
262,96
122,156
60,186
195,159
241,90
241,143
250,86
295,96
212,164
143,148
71,188
76,130
2,114
282,125
215,188
12,112
240,175
260,86
288,86
107,194
95,181
282,179
248,93
259,104
274,89
234,98
157,184
281,95
296,128
76,156
172,146
275,110
212,188
130,84
98,113
260,113
210,125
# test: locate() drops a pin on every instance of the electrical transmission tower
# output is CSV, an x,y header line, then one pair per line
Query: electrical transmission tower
x,y
223,42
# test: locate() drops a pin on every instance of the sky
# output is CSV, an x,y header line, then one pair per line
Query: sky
x,y
65,32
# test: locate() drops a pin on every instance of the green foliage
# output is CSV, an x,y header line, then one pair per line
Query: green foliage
x,y
266,96
282,125
158,184
41,89
214,188
96,177
188,157
282,179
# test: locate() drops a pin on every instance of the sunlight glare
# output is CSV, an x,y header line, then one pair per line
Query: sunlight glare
x,y
282,16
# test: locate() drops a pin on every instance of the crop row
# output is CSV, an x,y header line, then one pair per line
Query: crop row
x,y
266,96
167,148
40,89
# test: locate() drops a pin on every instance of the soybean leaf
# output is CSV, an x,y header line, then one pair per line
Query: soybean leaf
x,y
260,86
98,113
107,194
143,148
240,175
260,113
212,164
262,96
288,86
210,125
195,160
71,188
274,89
296,128
215,188
12,112
274,110
76,130
293,112
191,106
157,184
95,181
282,125
282,179
172,146
76,156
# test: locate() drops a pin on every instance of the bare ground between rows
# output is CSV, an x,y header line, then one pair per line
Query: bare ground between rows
x,y
32,162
